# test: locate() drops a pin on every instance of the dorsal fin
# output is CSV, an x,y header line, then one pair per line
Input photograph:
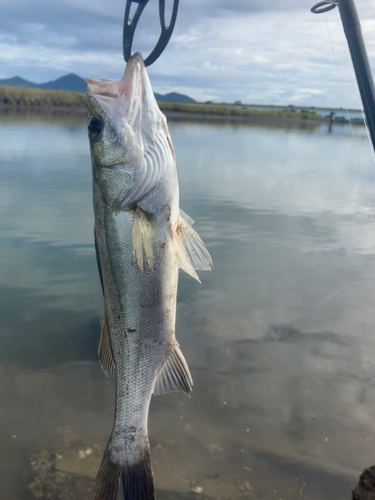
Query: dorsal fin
x,y
105,353
175,374
98,261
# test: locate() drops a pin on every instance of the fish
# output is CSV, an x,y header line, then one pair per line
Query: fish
x,y
142,239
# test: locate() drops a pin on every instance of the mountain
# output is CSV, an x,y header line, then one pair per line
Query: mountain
x,y
75,83
17,81
173,97
68,82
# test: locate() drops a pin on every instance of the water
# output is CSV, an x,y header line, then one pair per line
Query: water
x,y
279,337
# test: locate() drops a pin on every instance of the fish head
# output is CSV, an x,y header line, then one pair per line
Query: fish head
x,y
129,140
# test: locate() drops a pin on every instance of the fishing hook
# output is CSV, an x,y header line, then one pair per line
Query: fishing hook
x,y
319,7
131,24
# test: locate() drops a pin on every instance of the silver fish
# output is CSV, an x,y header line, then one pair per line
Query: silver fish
x,y
141,239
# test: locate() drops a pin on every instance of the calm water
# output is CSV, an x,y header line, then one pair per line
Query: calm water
x,y
280,337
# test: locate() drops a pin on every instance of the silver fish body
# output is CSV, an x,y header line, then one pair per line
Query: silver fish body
x,y
141,240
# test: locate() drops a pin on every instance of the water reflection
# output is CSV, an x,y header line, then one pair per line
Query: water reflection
x,y
279,337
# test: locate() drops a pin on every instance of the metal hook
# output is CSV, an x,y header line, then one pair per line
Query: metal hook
x,y
131,24
330,4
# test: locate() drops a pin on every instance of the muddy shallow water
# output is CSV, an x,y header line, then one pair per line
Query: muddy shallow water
x,y
279,337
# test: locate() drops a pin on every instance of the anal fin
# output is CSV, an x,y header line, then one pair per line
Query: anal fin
x,y
105,351
175,375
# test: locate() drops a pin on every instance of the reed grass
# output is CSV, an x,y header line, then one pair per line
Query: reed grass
x,y
50,99
40,98
226,110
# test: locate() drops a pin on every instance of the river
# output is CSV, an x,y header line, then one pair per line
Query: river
x,y
279,337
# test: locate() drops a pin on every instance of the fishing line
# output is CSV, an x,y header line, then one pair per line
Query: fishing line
x,y
350,123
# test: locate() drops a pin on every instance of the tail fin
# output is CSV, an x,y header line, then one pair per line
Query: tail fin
x,y
106,482
136,479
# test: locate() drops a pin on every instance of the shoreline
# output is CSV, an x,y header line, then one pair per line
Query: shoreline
x,y
184,115
171,115
24,99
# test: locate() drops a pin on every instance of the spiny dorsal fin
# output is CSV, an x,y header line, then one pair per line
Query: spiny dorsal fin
x,y
98,261
175,375
194,246
142,238
105,351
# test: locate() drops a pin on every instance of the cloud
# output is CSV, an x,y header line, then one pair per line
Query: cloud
x,y
276,52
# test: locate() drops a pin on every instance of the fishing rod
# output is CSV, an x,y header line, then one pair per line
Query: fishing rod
x,y
353,32
131,24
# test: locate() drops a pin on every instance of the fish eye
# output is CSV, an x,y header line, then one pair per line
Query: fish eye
x,y
95,126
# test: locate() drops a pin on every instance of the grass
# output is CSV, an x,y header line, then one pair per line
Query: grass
x,y
225,110
40,98
50,99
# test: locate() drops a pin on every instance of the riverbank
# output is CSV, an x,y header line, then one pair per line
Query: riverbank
x,y
22,97
61,100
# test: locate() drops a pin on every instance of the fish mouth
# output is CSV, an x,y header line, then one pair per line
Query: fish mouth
x,y
123,97
133,77
142,146
131,98
113,89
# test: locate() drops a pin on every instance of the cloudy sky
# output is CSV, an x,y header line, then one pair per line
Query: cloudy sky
x,y
254,50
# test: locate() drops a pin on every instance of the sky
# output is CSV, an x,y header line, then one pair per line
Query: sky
x,y
256,51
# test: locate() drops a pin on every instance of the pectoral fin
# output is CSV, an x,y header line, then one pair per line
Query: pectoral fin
x,y
175,375
105,351
143,235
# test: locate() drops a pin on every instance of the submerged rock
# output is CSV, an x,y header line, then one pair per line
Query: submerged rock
x,y
366,486
52,484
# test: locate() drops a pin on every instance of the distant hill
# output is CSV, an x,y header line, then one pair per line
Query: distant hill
x,y
174,97
70,82
75,83
17,81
